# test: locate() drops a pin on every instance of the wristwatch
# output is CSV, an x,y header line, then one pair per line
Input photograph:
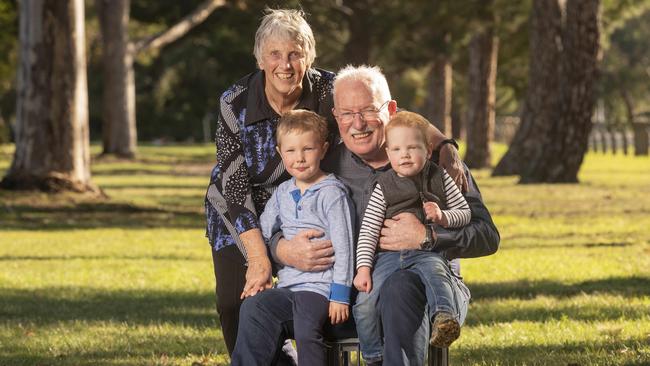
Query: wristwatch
x,y
427,243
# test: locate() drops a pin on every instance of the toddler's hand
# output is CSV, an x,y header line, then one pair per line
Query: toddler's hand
x,y
363,280
339,313
433,212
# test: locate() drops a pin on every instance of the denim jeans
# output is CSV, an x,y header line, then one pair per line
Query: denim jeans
x,y
444,292
268,318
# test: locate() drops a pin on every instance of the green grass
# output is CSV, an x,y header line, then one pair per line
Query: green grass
x,y
127,280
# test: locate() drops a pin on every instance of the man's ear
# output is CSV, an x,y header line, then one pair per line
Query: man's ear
x,y
392,108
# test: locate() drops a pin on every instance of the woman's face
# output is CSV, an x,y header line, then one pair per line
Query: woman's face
x,y
284,64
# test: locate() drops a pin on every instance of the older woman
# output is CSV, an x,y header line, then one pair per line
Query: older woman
x,y
248,168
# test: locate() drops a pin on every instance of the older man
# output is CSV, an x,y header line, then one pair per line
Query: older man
x,y
362,106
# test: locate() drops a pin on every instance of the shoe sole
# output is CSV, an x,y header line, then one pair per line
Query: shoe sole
x,y
444,332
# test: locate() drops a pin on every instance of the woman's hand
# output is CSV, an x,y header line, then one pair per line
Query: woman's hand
x,y
402,232
339,313
450,160
304,254
258,276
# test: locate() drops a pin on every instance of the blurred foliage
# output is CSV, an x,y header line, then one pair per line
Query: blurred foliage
x,y
178,86
8,57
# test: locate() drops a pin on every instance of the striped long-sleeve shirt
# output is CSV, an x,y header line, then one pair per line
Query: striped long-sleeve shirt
x,y
458,214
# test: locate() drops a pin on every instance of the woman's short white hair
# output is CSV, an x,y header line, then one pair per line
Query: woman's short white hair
x,y
370,76
285,24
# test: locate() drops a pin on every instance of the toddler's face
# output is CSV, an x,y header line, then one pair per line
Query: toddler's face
x,y
406,150
301,154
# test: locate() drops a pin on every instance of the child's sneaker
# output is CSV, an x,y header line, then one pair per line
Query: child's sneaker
x,y
444,330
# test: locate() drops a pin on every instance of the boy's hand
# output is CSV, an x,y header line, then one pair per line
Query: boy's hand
x,y
339,313
433,212
363,280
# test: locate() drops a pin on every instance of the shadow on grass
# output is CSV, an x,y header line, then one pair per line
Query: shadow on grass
x,y
11,258
155,349
485,314
97,215
524,289
135,307
617,351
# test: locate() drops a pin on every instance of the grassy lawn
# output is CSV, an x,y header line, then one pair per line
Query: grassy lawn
x,y
127,280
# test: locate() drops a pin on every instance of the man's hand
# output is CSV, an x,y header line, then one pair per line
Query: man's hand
x,y
339,313
304,254
450,160
363,280
402,232
258,276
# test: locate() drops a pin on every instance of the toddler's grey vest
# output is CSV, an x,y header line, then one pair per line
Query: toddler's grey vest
x,y
405,194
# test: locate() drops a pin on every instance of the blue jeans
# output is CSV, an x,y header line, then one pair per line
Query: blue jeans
x,y
443,292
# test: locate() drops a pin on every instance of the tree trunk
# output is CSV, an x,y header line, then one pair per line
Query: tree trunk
x,y
540,105
52,143
357,49
482,84
566,141
119,132
439,100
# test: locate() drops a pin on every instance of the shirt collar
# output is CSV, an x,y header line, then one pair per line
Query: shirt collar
x,y
258,107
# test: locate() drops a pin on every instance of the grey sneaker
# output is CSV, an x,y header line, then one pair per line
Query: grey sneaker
x,y
444,330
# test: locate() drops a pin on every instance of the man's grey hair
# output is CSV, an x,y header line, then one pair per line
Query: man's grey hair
x,y
371,76
285,24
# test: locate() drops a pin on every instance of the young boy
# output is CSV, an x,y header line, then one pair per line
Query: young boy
x,y
311,199
416,185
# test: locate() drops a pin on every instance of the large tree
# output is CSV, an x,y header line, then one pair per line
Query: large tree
x,y
119,131
566,140
543,80
52,147
483,50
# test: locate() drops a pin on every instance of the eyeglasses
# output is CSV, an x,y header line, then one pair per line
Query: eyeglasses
x,y
347,118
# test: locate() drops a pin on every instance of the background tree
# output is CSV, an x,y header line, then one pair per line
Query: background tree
x,y
483,49
543,81
52,147
565,142
119,132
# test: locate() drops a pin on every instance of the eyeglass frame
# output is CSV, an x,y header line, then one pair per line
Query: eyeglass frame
x,y
351,115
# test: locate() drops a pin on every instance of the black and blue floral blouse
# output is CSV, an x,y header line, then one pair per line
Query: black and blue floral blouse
x,y
248,167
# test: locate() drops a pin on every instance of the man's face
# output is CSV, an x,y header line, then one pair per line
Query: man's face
x,y
362,136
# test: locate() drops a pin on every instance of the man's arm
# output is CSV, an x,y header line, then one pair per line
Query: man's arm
x,y
479,238
301,252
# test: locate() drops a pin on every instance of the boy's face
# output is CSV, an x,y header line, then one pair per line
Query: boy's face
x,y
406,150
301,154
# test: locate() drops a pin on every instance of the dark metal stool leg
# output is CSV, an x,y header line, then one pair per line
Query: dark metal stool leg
x,y
438,356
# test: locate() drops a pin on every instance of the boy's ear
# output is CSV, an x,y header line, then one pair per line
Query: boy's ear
x,y
429,150
326,146
277,148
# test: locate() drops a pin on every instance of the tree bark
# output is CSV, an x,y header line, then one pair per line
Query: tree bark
x,y
52,143
482,96
540,105
440,89
357,49
566,140
119,130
